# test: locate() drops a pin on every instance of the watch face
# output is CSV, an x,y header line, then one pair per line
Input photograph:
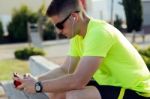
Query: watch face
x,y
38,88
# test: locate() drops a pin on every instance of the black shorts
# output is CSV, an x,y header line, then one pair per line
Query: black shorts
x,y
112,92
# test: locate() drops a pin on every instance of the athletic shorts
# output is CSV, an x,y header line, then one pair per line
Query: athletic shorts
x,y
112,92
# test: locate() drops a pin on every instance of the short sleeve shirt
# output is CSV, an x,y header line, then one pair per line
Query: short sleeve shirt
x,y
122,64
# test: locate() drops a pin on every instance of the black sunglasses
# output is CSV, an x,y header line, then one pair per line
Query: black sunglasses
x,y
60,25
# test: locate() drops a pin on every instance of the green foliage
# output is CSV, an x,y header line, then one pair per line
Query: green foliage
x,y
25,53
8,66
145,53
118,22
49,33
134,14
1,30
18,27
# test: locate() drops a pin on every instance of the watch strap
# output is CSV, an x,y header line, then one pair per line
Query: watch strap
x,y
40,85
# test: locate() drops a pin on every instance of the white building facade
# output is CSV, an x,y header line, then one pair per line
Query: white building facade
x,y
146,12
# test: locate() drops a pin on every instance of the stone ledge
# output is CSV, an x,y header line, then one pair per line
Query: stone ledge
x,y
3,92
39,65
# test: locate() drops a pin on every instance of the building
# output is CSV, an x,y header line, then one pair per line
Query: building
x,y
146,15
101,9
146,12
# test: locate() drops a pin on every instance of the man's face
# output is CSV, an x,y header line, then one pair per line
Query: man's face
x,y
64,24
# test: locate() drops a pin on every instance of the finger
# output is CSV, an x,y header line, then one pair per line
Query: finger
x,y
16,74
24,76
27,75
20,87
15,78
18,79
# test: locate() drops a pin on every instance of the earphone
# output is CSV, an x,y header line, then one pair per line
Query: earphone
x,y
74,18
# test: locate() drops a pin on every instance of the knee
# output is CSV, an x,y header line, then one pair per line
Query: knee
x,y
56,96
71,95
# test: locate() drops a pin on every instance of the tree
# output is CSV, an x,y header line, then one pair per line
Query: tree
x,y
18,27
118,22
49,33
134,14
46,28
1,30
111,11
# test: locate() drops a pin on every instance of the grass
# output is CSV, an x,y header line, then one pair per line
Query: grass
x,y
7,67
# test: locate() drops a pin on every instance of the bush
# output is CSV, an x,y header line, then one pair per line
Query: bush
x,y
118,22
48,33
145,53
18,27
25,53
1,30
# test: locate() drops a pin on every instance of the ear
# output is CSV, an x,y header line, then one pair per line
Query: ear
x,y
75,16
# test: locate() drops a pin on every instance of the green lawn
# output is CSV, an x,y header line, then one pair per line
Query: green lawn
x,y
7,67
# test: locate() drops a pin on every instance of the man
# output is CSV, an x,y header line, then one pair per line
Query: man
x,y
98,51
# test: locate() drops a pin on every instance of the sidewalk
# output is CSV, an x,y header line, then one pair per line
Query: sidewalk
x,y
53,49
56,50
2,93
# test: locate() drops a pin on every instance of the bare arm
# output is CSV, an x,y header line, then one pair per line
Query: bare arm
x,y
70,63
78,79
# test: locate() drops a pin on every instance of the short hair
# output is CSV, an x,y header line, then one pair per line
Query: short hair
x,y
57,7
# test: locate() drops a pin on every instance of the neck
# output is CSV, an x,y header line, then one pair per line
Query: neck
x,y
84,24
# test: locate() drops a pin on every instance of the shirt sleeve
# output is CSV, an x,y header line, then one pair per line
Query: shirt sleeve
x,y
73,48
98,43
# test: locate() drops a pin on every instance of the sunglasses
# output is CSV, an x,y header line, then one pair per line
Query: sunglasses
x,y
60,25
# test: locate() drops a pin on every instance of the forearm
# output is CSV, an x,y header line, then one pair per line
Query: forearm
x,y
61,84
77,80
52,74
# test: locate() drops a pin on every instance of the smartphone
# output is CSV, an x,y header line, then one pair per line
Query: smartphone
x,y
16,82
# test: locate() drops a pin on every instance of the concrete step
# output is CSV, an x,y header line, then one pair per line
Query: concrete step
x,y
2,93
13,93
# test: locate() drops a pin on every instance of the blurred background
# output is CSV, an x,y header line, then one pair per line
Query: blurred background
x,y
26,31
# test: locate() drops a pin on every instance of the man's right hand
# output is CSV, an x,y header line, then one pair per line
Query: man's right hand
x,y
16,80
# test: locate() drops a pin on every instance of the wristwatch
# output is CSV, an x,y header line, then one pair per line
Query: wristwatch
x,y
38,87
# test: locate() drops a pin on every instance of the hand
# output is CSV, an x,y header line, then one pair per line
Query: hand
x,y
16,82
28,75
27,83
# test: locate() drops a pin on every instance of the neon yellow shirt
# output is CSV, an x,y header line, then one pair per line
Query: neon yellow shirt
x,y
122,64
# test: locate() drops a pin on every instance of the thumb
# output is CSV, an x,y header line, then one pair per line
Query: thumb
x,y
20,87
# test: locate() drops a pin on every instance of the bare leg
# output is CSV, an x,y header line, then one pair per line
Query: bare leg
x,y
90,92
57,95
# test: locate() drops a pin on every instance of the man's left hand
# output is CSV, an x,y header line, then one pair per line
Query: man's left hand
x,y
28,83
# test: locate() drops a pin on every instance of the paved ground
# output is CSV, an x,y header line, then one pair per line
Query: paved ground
x,y
55,50
2,94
